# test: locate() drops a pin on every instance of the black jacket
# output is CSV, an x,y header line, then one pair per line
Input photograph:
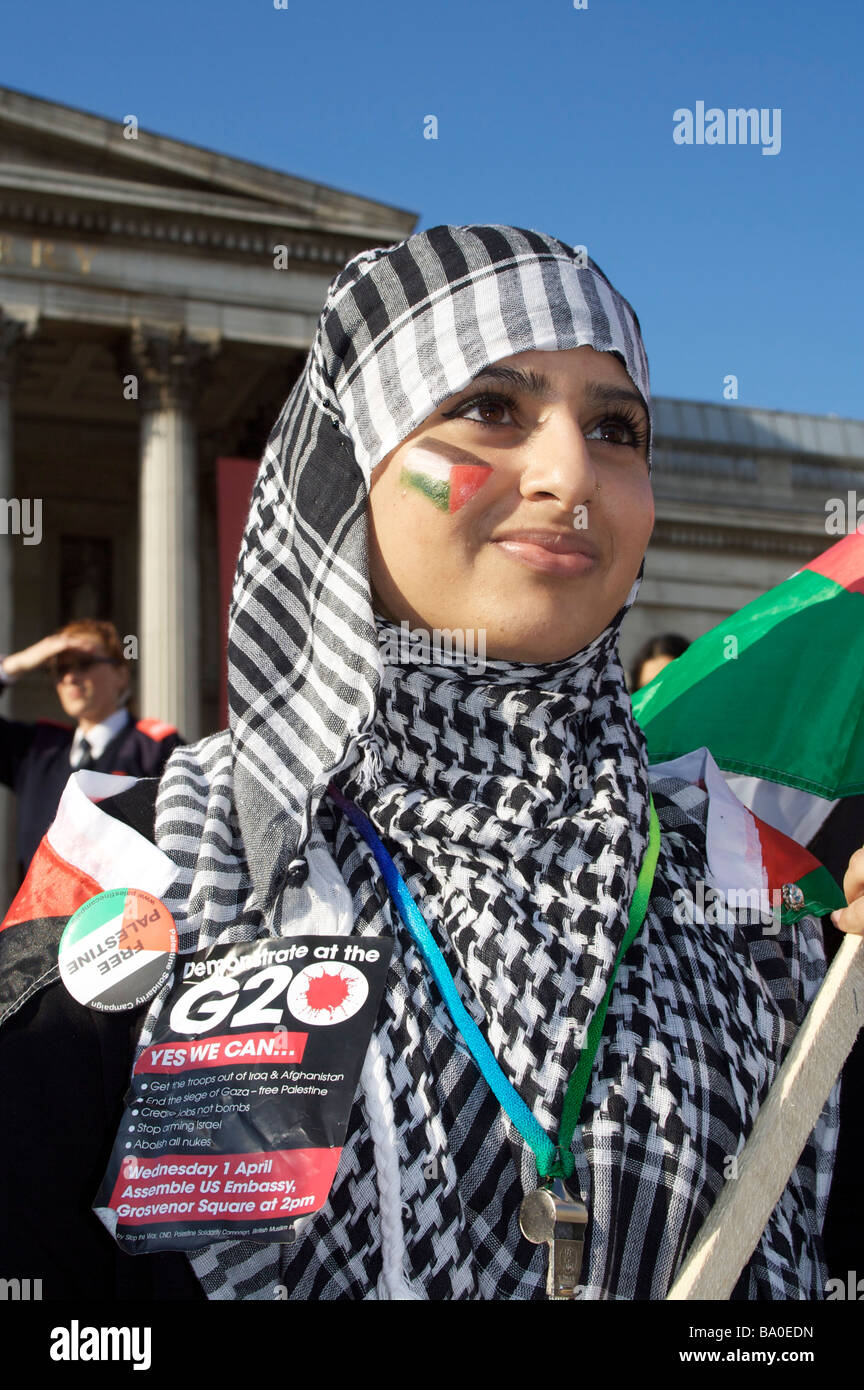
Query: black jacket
x,y
64,1070
34,762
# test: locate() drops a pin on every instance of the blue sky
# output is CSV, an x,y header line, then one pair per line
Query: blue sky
x,y
737,262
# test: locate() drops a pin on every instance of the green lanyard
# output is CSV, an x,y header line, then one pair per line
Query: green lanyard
x,y
553,1160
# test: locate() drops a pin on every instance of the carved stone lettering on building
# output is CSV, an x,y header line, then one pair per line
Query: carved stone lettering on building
x,y
36,253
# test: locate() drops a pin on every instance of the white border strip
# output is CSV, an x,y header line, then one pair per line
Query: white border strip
x,y
112,853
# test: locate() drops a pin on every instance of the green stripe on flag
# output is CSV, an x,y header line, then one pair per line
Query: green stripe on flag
x,y
821,896
95,914
436,489
776,691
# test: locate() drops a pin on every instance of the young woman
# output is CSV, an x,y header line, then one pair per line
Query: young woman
x,y
468,450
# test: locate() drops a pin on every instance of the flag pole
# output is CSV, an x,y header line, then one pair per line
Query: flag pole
x,y
784,1123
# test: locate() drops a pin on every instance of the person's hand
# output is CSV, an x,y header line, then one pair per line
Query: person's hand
x,y
31,657
851,917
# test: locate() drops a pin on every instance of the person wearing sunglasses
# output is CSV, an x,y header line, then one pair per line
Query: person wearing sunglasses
x,y
92,679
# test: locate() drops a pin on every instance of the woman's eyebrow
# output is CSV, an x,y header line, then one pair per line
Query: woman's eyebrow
x,y
603,393
532,383
536,384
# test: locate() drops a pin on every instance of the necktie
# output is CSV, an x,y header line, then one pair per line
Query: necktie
x,y
85,758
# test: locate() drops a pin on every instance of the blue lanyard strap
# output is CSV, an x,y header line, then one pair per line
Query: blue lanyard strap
x,y
553,1160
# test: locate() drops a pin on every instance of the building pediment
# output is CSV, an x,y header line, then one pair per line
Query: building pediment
x,y
56,152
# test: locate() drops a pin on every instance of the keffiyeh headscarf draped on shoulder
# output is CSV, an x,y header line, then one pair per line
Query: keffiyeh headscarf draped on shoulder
x,y
515,802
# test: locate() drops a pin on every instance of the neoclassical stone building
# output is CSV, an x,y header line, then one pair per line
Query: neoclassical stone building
x,y
156,303
741,499
145,333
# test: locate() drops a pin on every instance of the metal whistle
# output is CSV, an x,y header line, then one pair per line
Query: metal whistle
x,y
554,1217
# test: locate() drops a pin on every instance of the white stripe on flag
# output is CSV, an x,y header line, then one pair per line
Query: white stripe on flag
x,y
90,982
733,849
424,461
796,813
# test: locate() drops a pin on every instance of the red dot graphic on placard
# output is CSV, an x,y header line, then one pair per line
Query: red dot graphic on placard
x,y
327,992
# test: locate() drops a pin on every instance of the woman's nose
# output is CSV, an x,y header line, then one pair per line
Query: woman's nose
x,y
559,463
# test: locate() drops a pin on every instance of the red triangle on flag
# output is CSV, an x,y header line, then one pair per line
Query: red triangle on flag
x,y
52,888
465,480
785,861
844,563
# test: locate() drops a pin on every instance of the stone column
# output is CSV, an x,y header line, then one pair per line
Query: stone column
x,y
168,365
11,331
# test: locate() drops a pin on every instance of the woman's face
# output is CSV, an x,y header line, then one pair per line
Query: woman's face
x,y
522,505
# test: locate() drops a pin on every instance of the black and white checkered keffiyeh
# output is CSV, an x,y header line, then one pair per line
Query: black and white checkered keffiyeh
x,y
515,803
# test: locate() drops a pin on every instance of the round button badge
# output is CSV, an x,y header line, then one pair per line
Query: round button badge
x,y
118,950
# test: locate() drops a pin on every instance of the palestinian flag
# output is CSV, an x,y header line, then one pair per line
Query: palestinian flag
x,y
776,692
447,485
752,864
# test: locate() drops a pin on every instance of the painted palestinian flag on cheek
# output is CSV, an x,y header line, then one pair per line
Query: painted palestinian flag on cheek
x,y
448,486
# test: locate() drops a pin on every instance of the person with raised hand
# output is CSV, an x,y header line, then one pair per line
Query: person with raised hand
x,y
92,679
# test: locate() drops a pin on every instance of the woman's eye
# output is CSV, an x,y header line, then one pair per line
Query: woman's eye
x,y
485,410
615,432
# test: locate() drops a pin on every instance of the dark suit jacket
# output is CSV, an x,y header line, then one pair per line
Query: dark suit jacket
x,y
34,762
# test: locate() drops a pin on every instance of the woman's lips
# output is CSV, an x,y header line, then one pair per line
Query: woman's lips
x,y
551,552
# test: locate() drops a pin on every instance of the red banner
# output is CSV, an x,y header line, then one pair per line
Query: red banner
x,y
232,1187
230,1048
